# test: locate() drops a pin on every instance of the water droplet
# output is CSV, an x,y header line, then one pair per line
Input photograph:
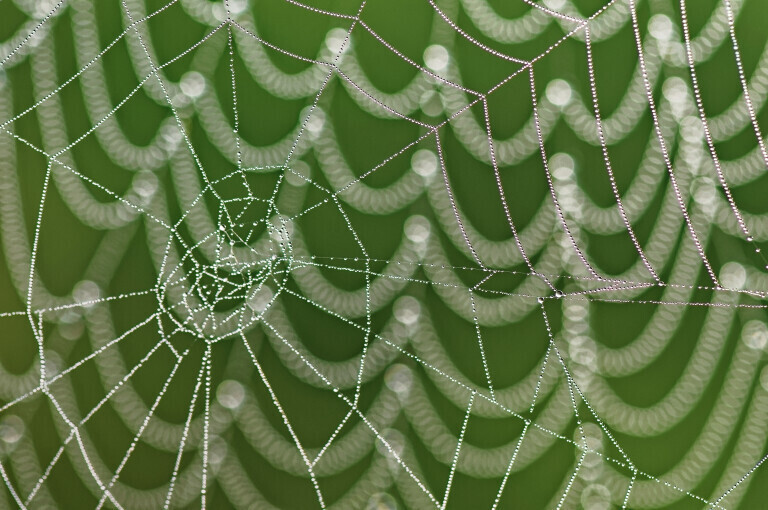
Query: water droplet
x,y
11,429
661,27
230,394
335,39
733,275
399,379
436,57
417,229
424,162
558,92
192,84
755,334
381,501
407,310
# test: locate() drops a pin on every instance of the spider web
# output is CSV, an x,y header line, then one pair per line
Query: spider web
x,y
379,256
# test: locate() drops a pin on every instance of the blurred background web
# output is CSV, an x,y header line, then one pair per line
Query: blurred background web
x,y
383,254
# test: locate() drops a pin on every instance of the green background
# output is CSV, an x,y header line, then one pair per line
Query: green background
x,y
66,246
